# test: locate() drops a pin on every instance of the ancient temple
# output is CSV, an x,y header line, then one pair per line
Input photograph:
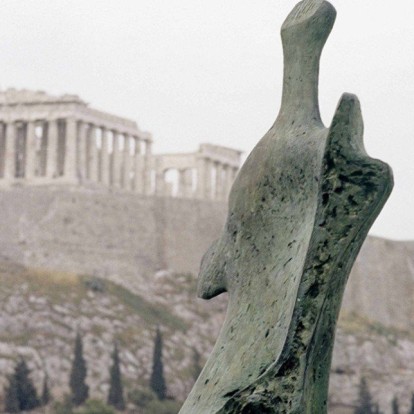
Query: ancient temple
x,y
206,174
46,139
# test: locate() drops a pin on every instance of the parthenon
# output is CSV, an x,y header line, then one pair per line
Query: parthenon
x,y
46,139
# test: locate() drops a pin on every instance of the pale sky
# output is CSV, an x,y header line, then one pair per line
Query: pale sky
x,y
193,71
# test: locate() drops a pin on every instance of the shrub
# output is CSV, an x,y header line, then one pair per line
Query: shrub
x,y
63,407
96,407
162,407
141,397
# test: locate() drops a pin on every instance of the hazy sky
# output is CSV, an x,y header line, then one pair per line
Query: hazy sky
x,y
193,71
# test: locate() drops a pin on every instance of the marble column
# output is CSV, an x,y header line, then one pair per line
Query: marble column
x,y
209,187
234,172
160,182
127,162
31,151
185,182
42,160
10,158
139,168
2,148
93,154
82,151
149,176
201,177
70,149
20,148
52,144
105,173
117,160
219,193
181,183
229,180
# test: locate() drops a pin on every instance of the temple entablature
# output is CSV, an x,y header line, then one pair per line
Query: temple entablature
x,y
46,139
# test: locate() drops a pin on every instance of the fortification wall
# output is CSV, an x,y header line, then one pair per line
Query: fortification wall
x,y
128,237
120,235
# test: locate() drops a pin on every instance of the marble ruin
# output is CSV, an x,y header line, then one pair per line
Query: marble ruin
x,y
299,211
62,140
207,174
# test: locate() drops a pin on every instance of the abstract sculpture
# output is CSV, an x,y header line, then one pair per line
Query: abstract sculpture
x,y
299,212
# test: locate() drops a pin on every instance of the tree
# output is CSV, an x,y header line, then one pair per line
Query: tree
x,y
412,405
21,394
365,405
26,391
116,392
79,388
395,406
157,381
11,403
45,399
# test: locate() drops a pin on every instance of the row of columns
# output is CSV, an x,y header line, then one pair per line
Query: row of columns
x,y
73,150
27,153
215,179
183,187
78,152
210,179
112,158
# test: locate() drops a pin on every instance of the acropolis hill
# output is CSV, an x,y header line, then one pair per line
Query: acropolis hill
x,y
82,191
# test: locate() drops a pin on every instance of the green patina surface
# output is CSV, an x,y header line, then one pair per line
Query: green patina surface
x,y
299,212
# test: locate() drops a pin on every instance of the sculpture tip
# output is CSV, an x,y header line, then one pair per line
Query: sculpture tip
x,y
304,10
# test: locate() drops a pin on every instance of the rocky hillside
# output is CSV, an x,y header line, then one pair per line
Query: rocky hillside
x,y
42,310
384,356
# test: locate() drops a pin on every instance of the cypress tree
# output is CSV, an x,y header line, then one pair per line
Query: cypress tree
x,y
412,405
376,409
26,391
157,381
79,388
395,406
116,392
45,399
11,403
365,405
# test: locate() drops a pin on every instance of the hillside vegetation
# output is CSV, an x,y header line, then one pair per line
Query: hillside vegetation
x,y
41,312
